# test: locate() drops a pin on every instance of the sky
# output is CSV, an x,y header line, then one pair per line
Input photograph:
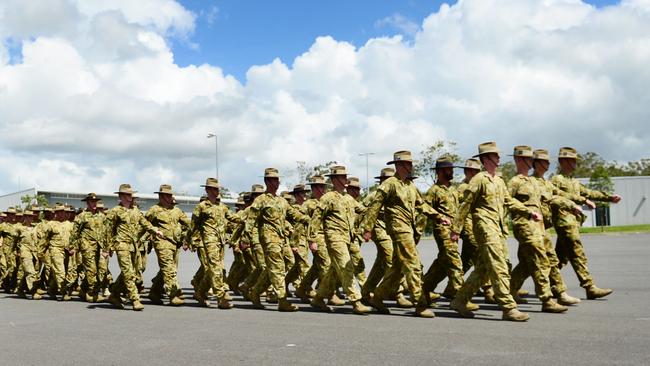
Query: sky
x,y
97,93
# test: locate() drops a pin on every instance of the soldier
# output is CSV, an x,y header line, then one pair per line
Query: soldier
x,y
88,237
210,220
569,245
353,188
444,199
174,226
55,238
104,277
299,238
126,224
29,254
337,217
250,239
270,213
402,203
530,234
487,200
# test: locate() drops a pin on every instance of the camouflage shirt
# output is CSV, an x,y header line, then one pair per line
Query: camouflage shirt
x,y
210,222
89,231
56,234
125,228
269,213
379,230
337,215
571,188
172,222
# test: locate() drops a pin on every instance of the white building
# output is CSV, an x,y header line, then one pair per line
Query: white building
x,y
634,208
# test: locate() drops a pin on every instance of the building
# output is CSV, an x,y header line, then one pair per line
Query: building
x,y
634,208
145,201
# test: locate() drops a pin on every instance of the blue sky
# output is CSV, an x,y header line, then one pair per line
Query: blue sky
x,y
236,34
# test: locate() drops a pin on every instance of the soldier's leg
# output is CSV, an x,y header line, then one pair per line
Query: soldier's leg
x,y
260,266
468,253
57,263
30,276
555,276
201,272
300,267
383,261
342,269
213,277
359,266
126,281
319,269
572,251
275,268
90,268
167,263
497,272
532,256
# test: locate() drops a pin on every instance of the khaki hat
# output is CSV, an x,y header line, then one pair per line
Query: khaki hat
x,y
257,189
403,155
19,214
317,180
472,164
126,189
541,154
386,173
35,208
59,207
354,182
487,148
203,198
69,209
90,196
444,162
299,188
240,201
271,173
10,210
523,151
28,212
568,153
100,204
212,182
165,189
337,170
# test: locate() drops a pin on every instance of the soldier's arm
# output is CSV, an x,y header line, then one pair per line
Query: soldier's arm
x,y
470,195
297,216
515,206
377,202
146,222
594,195
315,225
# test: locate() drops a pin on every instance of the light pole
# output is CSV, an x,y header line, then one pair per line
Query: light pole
x,y
216,152
367,154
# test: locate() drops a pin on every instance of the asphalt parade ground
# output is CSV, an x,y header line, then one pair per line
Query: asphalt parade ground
x,y
614,330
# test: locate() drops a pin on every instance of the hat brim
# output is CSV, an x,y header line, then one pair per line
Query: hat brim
x,y
317,184
131,193
487,152
86,199
211,186
405,160
443,167
172,193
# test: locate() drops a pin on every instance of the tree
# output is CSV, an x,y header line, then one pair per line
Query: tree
x,y
28,200
600,181
507,170
424,167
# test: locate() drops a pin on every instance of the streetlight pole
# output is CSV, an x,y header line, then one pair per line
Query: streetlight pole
x,y
216,152
367,154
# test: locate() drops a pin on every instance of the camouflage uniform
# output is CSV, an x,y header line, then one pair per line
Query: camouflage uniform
x,y
89,235
29,256
56,238
384,258
321,261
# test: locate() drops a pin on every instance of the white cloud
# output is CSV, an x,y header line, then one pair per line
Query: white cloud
x,y
400,23
98,100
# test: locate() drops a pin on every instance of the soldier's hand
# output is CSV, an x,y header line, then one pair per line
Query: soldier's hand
x,y
159,234
616,198
366,236
454,237
445,221
71,251
294,249
577,210
590,204
313,247
244,246
536,216
104,254
185,247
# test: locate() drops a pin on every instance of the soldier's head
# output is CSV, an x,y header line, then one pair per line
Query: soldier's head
x,y
212,189
28,217
59,212
256,191
444,169
48,213
100,206
91,201
318,186
339,177
488,153
271,180
166,195
385,174
354,187
541,162
403,162
523,156
10,215
299,193
568,159
125,195
471,168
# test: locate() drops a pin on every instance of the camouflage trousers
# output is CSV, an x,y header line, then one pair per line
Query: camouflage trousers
x,y
198,275
89,261
383,261
300,267
406,263
167,277
491,264
341,269
213,276
125,282
469,252
237,269
532,259
274,256
359,266
57,269
31,266
259,266
569,249
319,268
448,264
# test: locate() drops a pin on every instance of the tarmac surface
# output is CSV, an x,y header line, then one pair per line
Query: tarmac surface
x,y
615,330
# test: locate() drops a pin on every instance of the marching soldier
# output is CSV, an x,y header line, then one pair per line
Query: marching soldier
x,y
353,188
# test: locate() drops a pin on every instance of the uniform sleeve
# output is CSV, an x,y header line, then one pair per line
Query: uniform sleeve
x,y
515,206
593,194
145,222
375,206
297,216
75,235
315,225
425,208
196,221
473,188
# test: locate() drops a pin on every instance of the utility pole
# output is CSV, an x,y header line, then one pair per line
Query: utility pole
x,y
367,154
216,152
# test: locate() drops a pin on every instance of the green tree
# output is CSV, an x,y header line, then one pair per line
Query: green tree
x,y
601,181
28,200
507,170
424,166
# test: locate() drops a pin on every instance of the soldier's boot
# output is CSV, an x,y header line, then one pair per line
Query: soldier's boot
x,y
311,293
245,291
522,292
300,292
271,297
66,297
51,293
137,305
461,308
489,296
153,297
40,291
471,306
566,299
116,301
98,298
37,296
359,308
403,302
87,297
224,304
201,299
433,296
285,306
335,301
514,315
518,299
594,292
377,303
255,299
176,301
21,294
318,303
225,296
550,306
423,312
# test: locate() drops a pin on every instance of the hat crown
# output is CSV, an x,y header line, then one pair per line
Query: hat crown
x,y
402,155
338,170
523,151
212,182
271,173
488,147
257,188
165,188
354,182
541,154
472,164
568,152
387,173
317,179
125,188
